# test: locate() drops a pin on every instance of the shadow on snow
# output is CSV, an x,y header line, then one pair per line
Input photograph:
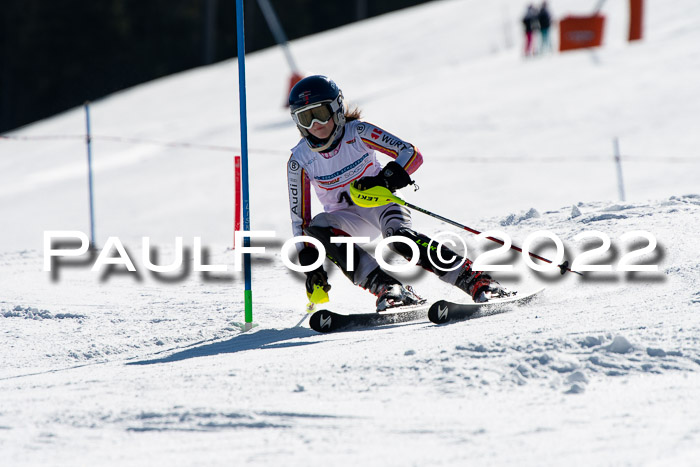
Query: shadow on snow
x,y
262,339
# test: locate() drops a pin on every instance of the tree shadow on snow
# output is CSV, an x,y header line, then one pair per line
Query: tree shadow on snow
x,y
261,339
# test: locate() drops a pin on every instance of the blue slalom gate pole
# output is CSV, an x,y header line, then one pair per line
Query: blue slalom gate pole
x,y
88,141
240,39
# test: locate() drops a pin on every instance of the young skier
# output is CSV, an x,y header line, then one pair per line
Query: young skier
x,y
337,149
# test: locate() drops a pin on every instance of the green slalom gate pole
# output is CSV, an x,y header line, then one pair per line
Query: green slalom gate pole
x,y
248,293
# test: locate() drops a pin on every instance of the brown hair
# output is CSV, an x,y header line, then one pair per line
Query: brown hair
x,y
353,113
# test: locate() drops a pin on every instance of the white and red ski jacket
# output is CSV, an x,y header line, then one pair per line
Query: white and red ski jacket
x,y
331,173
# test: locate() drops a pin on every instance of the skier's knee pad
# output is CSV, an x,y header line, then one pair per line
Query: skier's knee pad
x,y
394,218
401,248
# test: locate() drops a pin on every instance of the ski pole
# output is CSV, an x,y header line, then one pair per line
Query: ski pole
x,y
380,196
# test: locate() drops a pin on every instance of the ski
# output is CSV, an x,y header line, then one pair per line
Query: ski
x,y
443,311
328,321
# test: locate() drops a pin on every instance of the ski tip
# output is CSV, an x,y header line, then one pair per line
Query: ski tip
x,y
322,321
439,312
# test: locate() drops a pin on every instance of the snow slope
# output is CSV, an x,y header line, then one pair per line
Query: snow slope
x,y
142,369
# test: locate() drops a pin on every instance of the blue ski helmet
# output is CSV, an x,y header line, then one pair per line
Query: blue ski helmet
x,y
317,99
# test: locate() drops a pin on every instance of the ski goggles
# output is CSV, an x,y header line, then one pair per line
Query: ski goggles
x,y
317,113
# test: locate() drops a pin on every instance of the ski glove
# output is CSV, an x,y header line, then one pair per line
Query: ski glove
x,y
317,277
307,256
392,176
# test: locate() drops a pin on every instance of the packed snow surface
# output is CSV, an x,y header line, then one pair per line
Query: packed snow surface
x,y
118,368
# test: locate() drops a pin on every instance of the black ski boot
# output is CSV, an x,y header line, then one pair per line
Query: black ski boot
x,y
479,285
389,291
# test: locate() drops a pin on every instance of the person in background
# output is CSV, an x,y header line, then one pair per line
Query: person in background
x,y
545,21
338,149
530,24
